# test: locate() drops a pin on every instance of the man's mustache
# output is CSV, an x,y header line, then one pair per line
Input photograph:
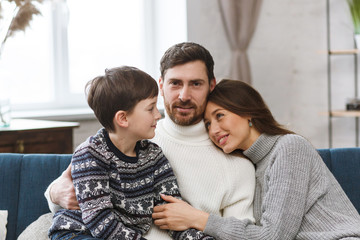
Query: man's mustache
x,y
187,104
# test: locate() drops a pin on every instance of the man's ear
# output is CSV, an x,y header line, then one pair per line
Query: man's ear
x,y
212,84
161,86
120,119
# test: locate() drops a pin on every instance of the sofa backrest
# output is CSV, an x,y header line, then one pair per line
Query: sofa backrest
x,y
344,163
23,181
24,178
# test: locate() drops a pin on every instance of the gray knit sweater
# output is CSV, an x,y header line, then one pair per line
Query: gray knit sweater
x,y
296,196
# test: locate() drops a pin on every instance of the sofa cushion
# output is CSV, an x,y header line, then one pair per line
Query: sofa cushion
x,y
344,163
3,222
34,180
23,181
9,189
39,229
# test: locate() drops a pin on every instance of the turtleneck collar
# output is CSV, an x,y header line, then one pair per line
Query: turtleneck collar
x,y
261,147
192,133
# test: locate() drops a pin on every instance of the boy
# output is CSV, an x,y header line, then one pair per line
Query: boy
x,y
118,177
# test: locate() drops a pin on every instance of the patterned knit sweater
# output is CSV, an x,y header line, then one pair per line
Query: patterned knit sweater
x,y
209,179
117,193
296,196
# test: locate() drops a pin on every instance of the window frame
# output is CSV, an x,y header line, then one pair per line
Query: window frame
x,y
155,29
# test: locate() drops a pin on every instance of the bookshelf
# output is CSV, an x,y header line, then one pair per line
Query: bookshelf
x,y
334,113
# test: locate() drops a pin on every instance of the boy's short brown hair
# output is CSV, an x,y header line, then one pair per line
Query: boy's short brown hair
x,y
121,88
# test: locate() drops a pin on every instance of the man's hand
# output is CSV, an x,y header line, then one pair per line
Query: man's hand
x,y
62,191
178,215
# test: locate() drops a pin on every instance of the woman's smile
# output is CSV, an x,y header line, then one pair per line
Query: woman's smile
x,y
222,140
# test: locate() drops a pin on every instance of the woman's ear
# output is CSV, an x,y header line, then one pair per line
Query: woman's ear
x,y
120,119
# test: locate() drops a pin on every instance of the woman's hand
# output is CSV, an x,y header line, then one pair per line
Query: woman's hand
x,y
178,215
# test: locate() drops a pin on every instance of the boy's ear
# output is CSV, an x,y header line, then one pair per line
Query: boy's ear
x,y
121,119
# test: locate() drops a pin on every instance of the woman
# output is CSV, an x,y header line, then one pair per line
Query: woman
x,y
296,196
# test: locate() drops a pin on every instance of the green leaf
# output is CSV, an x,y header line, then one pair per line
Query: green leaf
x,y
354,6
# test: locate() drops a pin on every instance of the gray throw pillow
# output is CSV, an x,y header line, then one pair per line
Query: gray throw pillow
x,y
38,229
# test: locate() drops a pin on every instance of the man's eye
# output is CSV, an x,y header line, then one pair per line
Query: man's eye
x,y
174,83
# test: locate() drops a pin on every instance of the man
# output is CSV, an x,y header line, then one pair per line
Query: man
x,y
208,179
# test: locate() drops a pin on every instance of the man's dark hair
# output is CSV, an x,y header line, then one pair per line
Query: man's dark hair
x,y
185,52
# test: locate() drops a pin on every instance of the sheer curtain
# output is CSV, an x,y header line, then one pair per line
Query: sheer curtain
x,y
239,18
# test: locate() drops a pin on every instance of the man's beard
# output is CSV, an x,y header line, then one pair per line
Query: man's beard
x,y
184,119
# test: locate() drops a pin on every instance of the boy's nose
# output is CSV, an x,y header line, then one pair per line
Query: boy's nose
x,y
157,114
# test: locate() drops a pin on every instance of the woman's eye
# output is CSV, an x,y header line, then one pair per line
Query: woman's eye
x,y
219,115
207,125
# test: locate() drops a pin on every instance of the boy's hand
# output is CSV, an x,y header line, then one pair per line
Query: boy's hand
x,y
62,191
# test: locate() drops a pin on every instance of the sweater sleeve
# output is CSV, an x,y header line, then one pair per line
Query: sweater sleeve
x,y
165,183
92,190
286,190
52,206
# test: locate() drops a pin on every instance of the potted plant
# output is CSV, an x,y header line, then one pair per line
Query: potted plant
x,y
354,6
22,14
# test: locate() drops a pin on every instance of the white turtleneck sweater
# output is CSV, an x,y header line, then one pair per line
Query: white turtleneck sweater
x,y
210,180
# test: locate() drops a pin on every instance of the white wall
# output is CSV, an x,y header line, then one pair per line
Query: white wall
x,y
288,61
86,129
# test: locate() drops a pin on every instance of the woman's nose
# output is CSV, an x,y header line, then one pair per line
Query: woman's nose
x,y
213,129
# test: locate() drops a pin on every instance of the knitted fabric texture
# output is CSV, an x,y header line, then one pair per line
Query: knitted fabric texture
x,y
296,197
209,179
117,193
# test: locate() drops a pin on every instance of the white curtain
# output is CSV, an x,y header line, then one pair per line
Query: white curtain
x,y
239,18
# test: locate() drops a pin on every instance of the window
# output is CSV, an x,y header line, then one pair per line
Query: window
x,y
75,40
26,61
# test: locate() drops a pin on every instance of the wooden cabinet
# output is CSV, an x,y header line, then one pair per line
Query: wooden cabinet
x,y
37,136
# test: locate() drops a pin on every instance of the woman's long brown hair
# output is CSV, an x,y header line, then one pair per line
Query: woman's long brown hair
x,y
242,99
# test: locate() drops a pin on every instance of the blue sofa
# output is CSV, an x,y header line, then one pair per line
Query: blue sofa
x,y
24,178
23,181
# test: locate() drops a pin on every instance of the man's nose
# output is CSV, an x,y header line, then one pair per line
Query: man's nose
x,y
185,94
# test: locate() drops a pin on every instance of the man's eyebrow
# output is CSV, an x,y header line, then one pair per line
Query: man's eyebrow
x,y
197,81
191,81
